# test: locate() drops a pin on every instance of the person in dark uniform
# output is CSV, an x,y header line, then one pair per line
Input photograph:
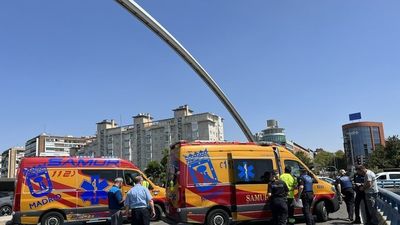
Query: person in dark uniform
x,y
360,196
345,188
277,192
306,194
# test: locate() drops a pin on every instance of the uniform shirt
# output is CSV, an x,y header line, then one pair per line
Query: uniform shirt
x,y
345,182
307,182
278,189
114,198
290,182
370,176
138,197
358,179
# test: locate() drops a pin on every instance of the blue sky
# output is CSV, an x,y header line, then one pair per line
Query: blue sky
x,y
65,65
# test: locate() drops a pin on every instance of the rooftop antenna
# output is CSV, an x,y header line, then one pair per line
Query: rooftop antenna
x,y
160,31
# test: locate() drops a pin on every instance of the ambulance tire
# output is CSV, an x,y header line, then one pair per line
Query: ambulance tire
x,y
52,218
218,217
321,212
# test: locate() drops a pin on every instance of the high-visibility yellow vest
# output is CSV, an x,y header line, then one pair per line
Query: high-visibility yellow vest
x,y
145,184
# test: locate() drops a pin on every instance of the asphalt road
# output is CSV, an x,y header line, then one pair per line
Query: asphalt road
x,y
337,218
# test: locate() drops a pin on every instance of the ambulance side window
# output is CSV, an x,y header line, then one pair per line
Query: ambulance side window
x,y
252,171
129,177
296,167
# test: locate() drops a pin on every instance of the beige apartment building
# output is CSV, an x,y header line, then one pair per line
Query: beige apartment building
x,y
52,145
145,139
10,159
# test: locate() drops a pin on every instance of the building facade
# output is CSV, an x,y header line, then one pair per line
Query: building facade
x,y
51,145
273,133
145,139
360,139
10,161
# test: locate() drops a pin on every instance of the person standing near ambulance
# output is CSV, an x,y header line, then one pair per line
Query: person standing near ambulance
x,y
277,193
139,201
306,194
345,188
291,183
116,202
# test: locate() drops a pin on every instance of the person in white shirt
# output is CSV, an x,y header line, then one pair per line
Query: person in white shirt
x,y
371,193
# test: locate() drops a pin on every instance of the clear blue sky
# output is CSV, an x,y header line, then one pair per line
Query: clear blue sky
x,y
65,65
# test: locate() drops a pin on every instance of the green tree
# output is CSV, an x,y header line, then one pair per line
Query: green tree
x,y
324,159
386,157
392,151
304,158
340,160
153,170
157,170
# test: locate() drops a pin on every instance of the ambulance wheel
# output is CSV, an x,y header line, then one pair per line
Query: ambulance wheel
x,y
218,217
5,210
52,218
321,212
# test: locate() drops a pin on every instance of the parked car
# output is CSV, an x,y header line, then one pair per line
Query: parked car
x,y
388,179
6,199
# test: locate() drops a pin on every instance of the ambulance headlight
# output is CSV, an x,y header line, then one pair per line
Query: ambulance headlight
x,y
155,193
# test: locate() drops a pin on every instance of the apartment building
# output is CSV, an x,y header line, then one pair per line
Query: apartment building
x,y
53,145
10,159
145,139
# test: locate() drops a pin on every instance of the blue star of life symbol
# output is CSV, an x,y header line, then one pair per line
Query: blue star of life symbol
x,y
246,171
94,190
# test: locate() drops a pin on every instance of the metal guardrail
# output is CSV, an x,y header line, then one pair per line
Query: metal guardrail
x,y
389,203
389,183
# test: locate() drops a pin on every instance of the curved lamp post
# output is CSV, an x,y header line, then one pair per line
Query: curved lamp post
x,y
158,29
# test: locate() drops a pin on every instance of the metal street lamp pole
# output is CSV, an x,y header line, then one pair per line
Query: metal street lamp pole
x,y
158,29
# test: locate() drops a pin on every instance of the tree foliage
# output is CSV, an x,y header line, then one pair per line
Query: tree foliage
x,y
304,158
386,157
326,159
157,170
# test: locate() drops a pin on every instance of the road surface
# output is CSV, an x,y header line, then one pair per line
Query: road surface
x,y
337,218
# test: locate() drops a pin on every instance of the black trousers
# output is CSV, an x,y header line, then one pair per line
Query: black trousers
x,y
349,200
140,216
279,211
307,199
360,196
290,210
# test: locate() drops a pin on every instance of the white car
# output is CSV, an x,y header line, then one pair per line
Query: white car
x,y
388,179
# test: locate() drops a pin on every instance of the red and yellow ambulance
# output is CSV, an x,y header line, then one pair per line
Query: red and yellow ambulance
x,y
51,190
215,183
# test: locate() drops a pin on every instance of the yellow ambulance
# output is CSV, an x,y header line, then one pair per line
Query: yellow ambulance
x,y
216,183
51,190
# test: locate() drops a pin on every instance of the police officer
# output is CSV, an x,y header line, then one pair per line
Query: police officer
x,y
291,183
277,192
360,196
307,195
345,188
